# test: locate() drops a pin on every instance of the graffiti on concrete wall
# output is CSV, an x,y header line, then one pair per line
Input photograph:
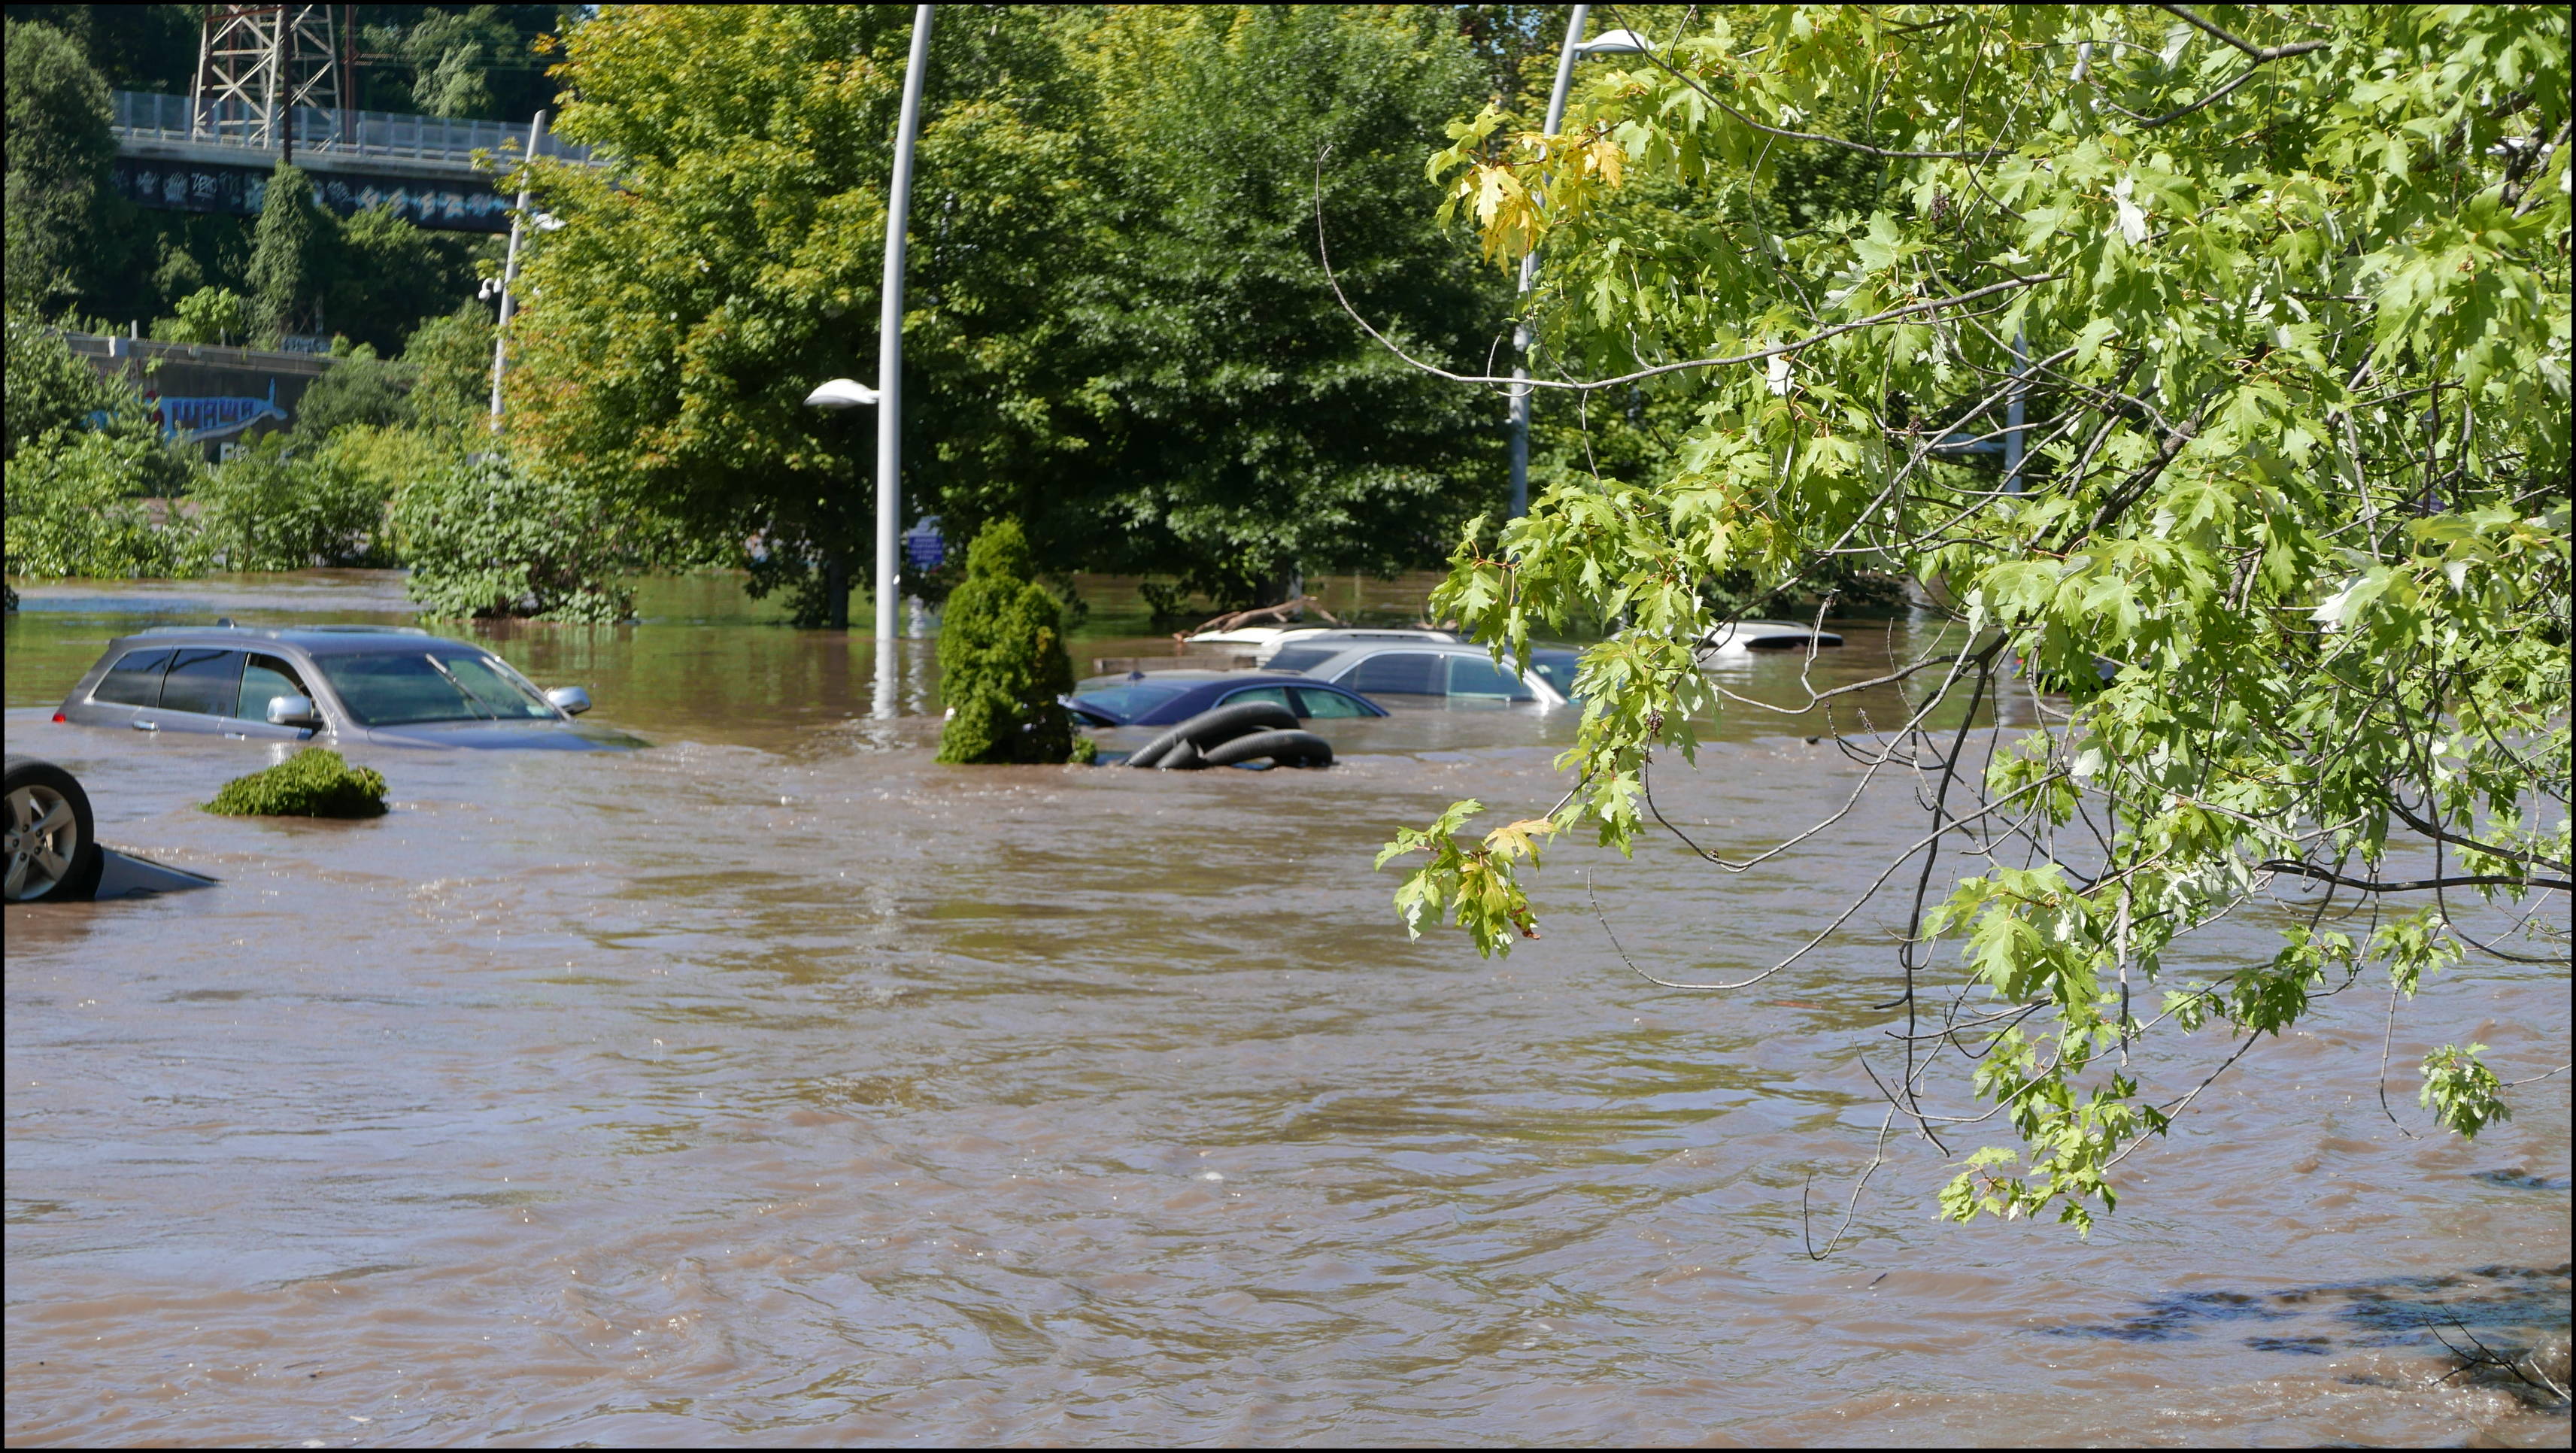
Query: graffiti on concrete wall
x,y
212,187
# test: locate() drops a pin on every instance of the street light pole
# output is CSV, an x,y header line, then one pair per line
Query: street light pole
x,y
1565,58
890,362
510,268
1617,42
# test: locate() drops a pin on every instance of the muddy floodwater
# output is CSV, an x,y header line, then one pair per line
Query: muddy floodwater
x,y
775,1084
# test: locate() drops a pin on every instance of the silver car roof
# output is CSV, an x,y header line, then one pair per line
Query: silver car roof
x,y
1331,668
309,640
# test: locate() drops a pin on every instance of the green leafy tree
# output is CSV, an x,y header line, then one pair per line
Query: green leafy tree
x,y
49,386
286,257
385,277
269,509
2285,290
74,508
461,60
83,455
1002,664
59,148
484,538
1251,430
360,389
208,315
674,324
450,361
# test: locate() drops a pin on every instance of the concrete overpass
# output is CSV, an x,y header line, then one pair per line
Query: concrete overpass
x,y
434,171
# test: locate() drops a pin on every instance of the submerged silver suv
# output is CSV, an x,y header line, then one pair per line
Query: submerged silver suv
x,y
392,685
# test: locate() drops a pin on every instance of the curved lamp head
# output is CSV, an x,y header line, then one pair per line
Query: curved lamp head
x,y
840,393
1616,42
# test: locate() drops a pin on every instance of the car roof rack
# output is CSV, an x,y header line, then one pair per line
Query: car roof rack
x,y
364,630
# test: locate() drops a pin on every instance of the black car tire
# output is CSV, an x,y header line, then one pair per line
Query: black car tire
x,y
1287,748
1215,725
34,789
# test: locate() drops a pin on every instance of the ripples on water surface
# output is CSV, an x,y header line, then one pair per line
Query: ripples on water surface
x,y
779,1085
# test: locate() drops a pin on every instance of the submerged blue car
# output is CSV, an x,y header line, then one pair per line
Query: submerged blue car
x,y
1166,697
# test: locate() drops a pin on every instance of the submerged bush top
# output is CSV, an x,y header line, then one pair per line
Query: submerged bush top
x,y
317,782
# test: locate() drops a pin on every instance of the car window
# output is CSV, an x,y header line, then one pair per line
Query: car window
x,y
395,688
1129,701
1315,701
1402,673
135,679
1298,658
1557,669
1275,695
202,680
1478,676
262,678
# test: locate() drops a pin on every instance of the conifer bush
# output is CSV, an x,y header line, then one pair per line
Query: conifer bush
x,y
1002,662
316,782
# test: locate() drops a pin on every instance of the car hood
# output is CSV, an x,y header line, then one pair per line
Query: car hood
x,y
542,736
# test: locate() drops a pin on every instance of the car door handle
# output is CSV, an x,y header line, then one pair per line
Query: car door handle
x,y
147,726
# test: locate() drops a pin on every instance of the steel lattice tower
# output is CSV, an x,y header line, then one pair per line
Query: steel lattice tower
x,y
257,62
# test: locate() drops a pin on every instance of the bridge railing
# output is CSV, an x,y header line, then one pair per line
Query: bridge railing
x,y
151,116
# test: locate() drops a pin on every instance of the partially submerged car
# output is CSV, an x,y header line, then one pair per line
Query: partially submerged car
x,y
1265,642
1737,638
1166,697
387,685
1459,674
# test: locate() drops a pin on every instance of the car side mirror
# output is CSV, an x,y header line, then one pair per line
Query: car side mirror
x,y
570,700
295,711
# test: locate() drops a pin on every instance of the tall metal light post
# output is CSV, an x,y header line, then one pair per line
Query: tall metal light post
x,y
841,393
1617,42
890,346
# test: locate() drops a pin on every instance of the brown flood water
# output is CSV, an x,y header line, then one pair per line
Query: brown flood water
x,y
777,1085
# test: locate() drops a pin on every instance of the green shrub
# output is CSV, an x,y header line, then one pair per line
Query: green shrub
x,y
486,539
73,508
266,510
51,387
208,315
1001,658
361,389
316,782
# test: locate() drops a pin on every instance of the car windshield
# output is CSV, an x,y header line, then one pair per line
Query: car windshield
x,y
1130,701
396,688
1298,658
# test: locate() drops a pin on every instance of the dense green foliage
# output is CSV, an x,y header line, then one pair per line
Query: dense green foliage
x,y
361,389
371,276
262,510
2293,532
1118,328
315,782
49,387
1002,664
59,147
82,452
485,538
285,257
73,510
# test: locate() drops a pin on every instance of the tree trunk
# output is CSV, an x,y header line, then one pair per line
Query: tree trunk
x,y
836,592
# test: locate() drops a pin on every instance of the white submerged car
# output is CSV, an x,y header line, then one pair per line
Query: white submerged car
x,y
1742,638
1266,642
